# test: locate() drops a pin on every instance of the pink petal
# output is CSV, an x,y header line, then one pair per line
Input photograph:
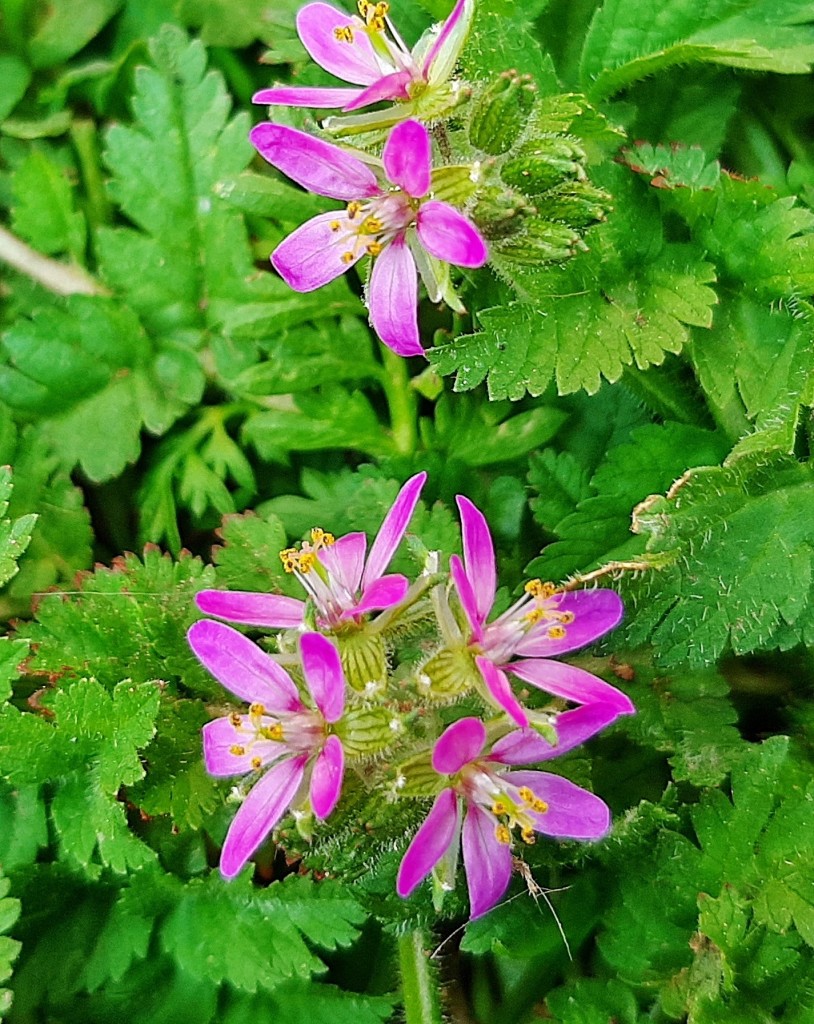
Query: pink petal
x,y
318,166
259,813
488,863
573,728
390,87
393,299
345,561
323,675
501,692
443,55
407,158
479,556
595,612
573,812
393,529
306,96
381,593
353,61
239,665
457,745
466,594
449,236
311,256
326,777
269,610
430,843
572,683
220,736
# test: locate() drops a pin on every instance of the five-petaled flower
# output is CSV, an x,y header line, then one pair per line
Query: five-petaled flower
x,y
367,51
543,623
484,803
292,740
396,223
342,584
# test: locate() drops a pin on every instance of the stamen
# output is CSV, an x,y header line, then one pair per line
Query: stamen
x,y
272,732
528,837
344,34
556,632
257,762
498,807
540,806
566,618
335,225
503,835
347,257
534,616
540,590
320,538
526,795
374,248
290,558
235,719
371,225
237,750
353,208
257,710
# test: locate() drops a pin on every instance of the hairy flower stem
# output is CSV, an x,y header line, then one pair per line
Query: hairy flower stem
x,y
419,980
401,400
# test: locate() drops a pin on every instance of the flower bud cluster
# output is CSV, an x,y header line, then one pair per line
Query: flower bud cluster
x,y
405,688
497,176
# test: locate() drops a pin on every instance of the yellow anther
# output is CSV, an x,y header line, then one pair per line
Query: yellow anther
x,y
235,719
556,632
347,257
335,225
503,835
307,560
343,34
353,208
526,795
257,762
362,7
272,732
257,709
540,590
382,9
237,750
371,225
538,805
498,807
290,558
566,618
534,616
328,539
527,835
374,248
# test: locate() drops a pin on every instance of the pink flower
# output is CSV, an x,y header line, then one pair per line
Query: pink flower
x,y
544,622
485,804
367,51
280,733
342,584
396,224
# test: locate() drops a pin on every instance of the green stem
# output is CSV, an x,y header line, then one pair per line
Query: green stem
x,y
419,980
401,400
99,209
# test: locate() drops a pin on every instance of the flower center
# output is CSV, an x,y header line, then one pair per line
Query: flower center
x,y
371,225
511,807
537,605
329,594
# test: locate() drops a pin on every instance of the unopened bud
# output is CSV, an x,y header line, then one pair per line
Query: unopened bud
x,y
456,183
363,659
539,242
449,673
501,112
578,203
366,732
544,163
500,212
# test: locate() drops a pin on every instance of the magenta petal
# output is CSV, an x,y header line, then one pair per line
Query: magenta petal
x,y
239,665
345,560
571,682
407,159
573,812
430,843
488,862
573,728
449,236
306,96
523,746
259,813
479,556
323,675
466,594
500,690
390,87
318,166
393,299
457,745
393,529
326,777
595,612
381,593
269,610
352,61
311,256
221,736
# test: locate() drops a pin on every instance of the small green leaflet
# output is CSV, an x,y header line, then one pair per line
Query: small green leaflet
x,y
625,43
9,948
14,534
734,546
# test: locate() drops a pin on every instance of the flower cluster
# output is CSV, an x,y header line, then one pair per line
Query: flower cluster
x,y
392,213
446,725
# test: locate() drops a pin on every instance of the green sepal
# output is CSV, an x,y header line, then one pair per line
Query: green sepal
x,y
455,183
367,731
364,659
448,674
501,112
541,241
543,163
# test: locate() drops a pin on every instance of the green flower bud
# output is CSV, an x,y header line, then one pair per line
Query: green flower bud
x,y
579,204
500,113
417,777
366,732
540,241
364,659
448,674
543,163
500,212
455,183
